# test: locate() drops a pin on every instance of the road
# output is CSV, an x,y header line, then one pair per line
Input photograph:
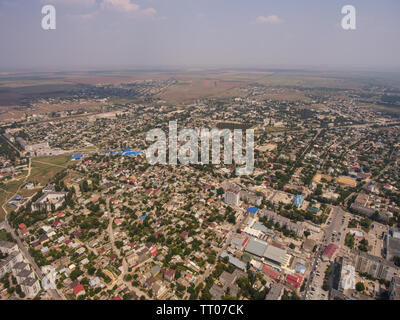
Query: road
x,y
335,226
312,272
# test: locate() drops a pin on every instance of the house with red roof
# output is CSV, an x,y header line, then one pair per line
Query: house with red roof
x,y
184,234
329,252
270,272
294,280
79,290
169,275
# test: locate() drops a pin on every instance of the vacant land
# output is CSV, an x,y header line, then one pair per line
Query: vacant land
x,y
8,191
43,169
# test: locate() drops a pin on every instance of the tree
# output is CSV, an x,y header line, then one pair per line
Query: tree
x,y
360,286
326,285
396,260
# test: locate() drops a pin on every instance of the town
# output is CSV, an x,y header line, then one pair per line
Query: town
x,y
317,219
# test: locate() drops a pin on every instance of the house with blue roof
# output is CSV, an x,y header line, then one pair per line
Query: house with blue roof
x,y
298,201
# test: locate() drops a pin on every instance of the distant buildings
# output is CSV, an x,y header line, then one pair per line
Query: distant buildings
x,y
38,149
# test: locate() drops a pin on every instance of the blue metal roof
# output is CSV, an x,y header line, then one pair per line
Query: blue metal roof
x,y
77,156
252,209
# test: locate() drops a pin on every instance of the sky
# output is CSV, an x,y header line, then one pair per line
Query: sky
x,y
199,33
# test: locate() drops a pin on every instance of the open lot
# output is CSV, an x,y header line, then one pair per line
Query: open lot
x,y
43,169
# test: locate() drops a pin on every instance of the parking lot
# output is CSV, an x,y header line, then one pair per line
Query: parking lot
x,y
315,291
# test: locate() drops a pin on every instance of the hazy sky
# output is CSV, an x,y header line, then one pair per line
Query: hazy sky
x,y
123,33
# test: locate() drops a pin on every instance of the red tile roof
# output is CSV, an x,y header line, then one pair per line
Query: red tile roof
x,y
294,280
330,250
78,289
270,272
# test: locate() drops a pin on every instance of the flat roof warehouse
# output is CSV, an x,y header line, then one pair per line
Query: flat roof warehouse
x,y
272,255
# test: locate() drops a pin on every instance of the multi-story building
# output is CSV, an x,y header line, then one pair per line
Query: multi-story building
x,y
47,200
8,262
8,247
282,221
31,287
376,267
394,289
232,197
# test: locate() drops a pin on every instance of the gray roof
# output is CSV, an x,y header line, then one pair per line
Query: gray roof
x,y
256,247
275,254
20,266
234,261
29,282
7,244
24,273
274,292
260,227
237,241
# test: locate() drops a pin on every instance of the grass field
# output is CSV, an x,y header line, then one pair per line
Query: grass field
x,y
44,169
7,192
